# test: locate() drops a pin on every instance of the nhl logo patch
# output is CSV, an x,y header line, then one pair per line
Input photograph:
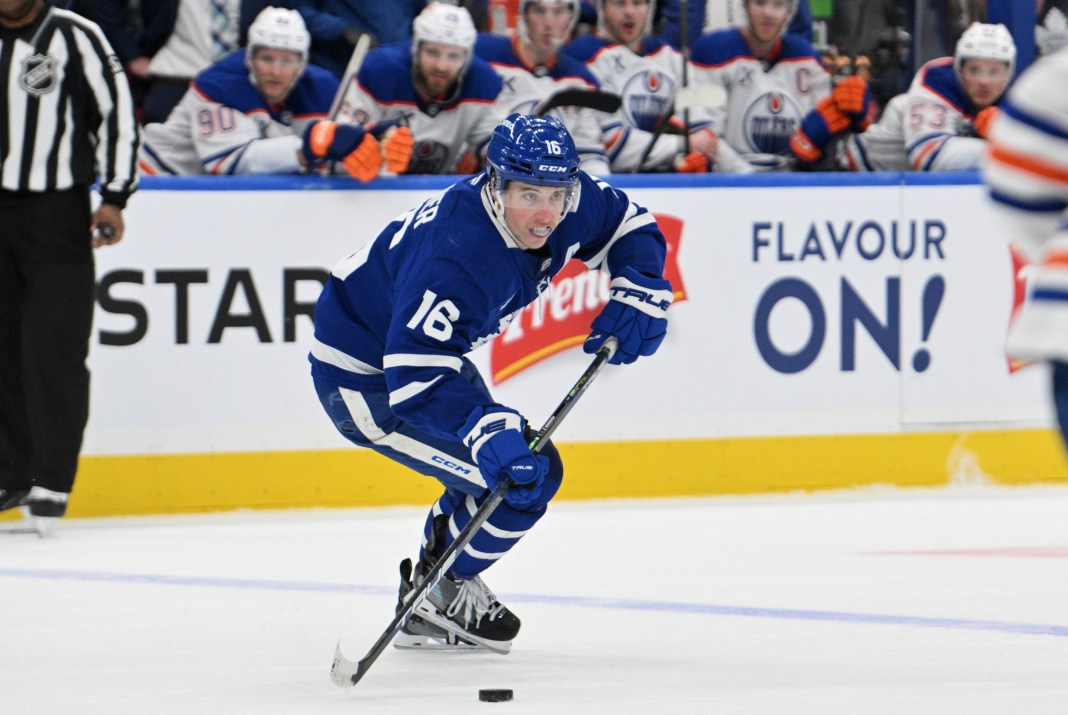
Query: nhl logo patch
x,y
39,74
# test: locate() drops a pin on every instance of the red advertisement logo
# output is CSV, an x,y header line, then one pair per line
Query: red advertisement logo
x,y
1020,272
562,319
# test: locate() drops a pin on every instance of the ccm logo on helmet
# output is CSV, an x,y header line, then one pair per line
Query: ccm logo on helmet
x,y
548,167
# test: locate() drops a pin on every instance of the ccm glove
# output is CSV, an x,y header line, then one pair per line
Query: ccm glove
x,y
636,315
355,148
495,437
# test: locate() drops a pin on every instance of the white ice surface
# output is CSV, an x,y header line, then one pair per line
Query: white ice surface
x,y
795,604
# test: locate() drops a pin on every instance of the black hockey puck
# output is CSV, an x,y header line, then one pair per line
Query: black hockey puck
x,y
494,696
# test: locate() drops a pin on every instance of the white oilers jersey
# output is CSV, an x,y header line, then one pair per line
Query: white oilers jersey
x,y
1026,169
938,126
223,125
646,82
445,278
524,88
881,147
766,99
443,130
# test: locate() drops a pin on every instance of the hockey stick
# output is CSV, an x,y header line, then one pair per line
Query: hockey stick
x,y
709,96
598,99
363,45
684,41
345,673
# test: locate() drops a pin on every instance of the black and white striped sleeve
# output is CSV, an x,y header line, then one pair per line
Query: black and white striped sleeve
x,y
117,133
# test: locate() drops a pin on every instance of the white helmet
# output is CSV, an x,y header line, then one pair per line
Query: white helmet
x,y
444,24
982,41
278,29
524,4
601,29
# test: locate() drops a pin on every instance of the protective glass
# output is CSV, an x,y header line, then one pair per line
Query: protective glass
x,y
528,197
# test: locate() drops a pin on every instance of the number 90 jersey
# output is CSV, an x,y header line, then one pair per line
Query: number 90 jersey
x,y
401,313
223,125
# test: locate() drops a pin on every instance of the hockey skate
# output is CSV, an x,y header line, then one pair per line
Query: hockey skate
x,y
417,634
455,615
11,498
40,509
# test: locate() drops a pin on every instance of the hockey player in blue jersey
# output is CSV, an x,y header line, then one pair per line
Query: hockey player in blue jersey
x,y
396,319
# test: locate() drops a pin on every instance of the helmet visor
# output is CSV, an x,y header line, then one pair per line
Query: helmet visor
x,y
531,197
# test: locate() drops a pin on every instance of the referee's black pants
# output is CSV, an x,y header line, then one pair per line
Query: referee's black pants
x,y
47,277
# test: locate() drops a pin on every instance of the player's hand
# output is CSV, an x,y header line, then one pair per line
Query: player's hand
x,y
355,148
496,440
636,315
804,148
107,226
705,141
397,144
852,96
984,120
693,163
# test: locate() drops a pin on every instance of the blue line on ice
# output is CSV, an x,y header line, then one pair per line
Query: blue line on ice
x,y
577,601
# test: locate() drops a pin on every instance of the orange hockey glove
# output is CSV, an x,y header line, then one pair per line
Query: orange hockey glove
x,y
348,143
984,120
693,163
852,96
397,144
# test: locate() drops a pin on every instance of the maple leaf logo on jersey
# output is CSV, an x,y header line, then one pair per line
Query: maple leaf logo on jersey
x,y
563,320
1052,34
39,74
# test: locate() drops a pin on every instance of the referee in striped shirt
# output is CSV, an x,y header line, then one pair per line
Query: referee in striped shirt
x,y
66,122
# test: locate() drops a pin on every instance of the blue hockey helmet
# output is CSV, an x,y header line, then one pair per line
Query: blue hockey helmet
x,y
533,149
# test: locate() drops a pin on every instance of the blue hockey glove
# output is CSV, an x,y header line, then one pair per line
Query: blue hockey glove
x,y
495,437
636,315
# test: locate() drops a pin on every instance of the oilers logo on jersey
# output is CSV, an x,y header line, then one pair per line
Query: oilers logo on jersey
x,y
646,96
428,157
768,122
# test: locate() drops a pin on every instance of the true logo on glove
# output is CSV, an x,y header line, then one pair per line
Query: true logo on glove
x,y
642,297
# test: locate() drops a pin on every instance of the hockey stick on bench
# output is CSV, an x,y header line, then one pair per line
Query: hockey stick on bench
x,y
598,99
352,69
709,96
346,673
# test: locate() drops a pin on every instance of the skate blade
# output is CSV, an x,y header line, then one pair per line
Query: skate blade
x,y
448,644
427,612
43,526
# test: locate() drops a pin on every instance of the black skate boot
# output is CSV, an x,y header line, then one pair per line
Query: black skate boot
x,y
46,503
468,610
417,634
11,498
